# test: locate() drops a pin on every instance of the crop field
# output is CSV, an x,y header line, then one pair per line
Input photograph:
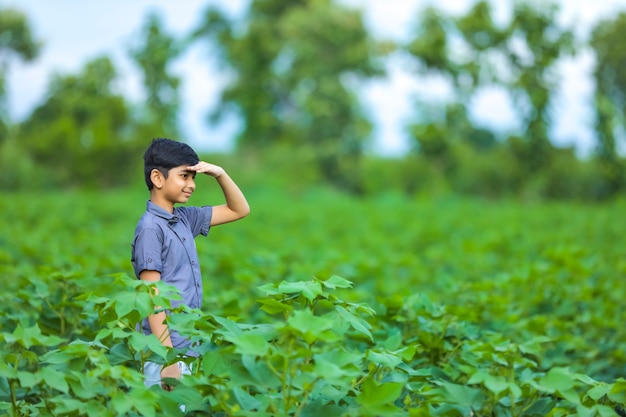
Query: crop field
x,y
322,304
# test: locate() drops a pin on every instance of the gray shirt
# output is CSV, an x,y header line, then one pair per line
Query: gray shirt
x,y
164,242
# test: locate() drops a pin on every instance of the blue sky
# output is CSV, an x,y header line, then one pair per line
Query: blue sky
x,y
74,31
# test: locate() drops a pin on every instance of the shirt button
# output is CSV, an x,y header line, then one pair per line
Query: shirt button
x,y
149,260
184,239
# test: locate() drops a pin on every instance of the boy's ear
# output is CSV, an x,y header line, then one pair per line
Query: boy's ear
x,y
157,178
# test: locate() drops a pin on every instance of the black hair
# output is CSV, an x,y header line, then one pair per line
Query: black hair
x,y
164,154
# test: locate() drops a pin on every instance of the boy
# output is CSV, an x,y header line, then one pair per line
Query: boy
x,y
163,247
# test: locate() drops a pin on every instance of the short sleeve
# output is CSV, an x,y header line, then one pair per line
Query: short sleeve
x,y
198,218
146,251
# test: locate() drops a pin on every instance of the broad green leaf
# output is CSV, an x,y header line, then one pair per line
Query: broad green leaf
x,y
27,379
515,390
570,395
139,341
189,396
462,395
534,345
259,370
7,371
310,326
386,359
357,323
618,391
597,410
557,379
334,373
245,400
93,408
336,281
229,327
373,394
31,336
146,401
212,363
119,353
342,358
82,386
327,392
309,289
598,391
495,384
67,406
53,378
322,408
604,411
394,340
249,344
274,307
121,402
541,407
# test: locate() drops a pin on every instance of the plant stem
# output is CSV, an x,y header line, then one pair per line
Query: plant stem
x,y
12,388
306,397
13,397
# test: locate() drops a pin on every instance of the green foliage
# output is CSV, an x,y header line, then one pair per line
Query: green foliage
x,y
16,41
412,307
296,66
534,78
154,57
610,99
16,36
472,52
20,171
295,70
80,134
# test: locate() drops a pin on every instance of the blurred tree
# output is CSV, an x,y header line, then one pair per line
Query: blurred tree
x,y
472,52
154,56
16,41
466,68
80,133
607,40
535,45
296,67
463,49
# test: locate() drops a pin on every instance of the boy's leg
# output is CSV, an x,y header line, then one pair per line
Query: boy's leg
x,y
152,375
152,372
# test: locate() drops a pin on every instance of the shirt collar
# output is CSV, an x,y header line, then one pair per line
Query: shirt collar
x,y
161,212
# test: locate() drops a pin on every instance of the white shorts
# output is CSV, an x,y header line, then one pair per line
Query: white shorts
x,y
152,375
152,372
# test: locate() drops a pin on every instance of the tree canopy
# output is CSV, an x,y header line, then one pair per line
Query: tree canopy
x,y
610,97
81,131
296,72
154,56
17,41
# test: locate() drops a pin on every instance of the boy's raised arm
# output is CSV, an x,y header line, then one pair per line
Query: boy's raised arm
x,y
236,206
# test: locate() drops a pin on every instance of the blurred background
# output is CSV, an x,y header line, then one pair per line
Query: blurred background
x,y
499,99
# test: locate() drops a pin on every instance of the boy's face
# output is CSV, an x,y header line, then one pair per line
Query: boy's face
x,y
179,184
